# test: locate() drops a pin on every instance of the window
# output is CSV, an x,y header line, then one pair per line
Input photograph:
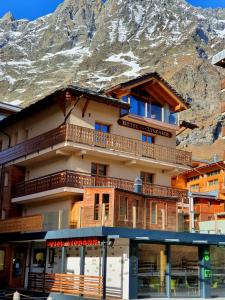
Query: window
x,y
154,213
39,257
2,260
143,108
102,127
96,207
105,200
194,188
173,118
148,138
213,173
155,111
213,182
193,178
147,177
98,169
138,210
123,208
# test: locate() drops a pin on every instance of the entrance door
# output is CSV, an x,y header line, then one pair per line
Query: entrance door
x,y
151,271
18,265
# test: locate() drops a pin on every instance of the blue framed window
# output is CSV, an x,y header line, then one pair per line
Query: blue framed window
x,y
173,118
142,108
102,127
148,138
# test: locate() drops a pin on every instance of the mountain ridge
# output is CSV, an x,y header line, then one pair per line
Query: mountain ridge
x,y
95,44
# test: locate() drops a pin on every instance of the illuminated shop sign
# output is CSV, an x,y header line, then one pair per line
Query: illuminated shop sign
x,y
74,242
144,128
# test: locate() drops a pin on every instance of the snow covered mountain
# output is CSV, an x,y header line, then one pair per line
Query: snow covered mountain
x,y
99,43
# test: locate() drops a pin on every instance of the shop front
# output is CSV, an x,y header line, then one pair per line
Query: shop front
x,y
120,263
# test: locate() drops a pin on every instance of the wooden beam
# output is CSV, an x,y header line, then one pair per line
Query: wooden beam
x,y
81,153
85,107
62,152
130,162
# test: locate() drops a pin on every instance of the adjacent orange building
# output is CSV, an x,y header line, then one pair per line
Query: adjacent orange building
x,y
206,186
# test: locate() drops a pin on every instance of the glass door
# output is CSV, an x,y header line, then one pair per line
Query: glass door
x,y
18,266
151,270
217,255
185,271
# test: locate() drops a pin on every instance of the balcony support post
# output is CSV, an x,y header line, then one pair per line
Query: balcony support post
x,y
63,259
104,268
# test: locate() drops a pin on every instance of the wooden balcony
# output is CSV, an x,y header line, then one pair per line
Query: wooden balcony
x,y
68,284
22,224
81,180
90,138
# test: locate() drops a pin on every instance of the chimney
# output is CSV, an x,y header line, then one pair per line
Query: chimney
x,y
138,185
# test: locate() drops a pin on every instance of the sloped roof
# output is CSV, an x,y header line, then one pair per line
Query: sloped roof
x,y
49,100
145,77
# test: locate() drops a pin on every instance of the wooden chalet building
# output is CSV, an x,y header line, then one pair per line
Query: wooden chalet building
x,y
87,207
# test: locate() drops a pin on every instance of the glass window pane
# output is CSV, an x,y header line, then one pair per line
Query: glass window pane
x,y
173,118
217,255
144,138
125,99
156,111
2,260
141,108
102,170
184,271
133,105
123,213
97,126
96,207
151,271
94,169
154,213
147,138
105,128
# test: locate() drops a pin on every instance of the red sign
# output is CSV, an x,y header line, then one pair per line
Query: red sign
x,y
74,242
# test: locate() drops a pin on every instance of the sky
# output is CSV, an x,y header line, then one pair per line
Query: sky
x,y
28,9
32,9
207,3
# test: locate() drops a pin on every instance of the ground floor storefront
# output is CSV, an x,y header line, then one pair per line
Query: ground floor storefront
x,y
115,262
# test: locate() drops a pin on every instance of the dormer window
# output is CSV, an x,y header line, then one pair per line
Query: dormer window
x,y
143,108
150,109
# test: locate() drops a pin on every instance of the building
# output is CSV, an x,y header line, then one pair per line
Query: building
x,y
206,186
87,205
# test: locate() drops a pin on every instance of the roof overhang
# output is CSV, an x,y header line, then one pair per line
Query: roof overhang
x,y
60,94
219,59
141,235
156,82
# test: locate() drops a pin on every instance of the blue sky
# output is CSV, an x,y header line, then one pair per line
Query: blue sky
x,y
207,3
32,9
28,9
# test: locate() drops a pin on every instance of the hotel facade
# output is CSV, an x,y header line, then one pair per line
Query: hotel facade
x,y
87,207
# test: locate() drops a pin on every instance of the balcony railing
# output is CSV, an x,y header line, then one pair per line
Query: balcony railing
x,y
22,224
93,138
80,180
70,284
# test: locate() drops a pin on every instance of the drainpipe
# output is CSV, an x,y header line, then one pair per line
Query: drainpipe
x,y
1,175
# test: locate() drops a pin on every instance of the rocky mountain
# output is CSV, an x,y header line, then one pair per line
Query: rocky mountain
x,y
98,43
